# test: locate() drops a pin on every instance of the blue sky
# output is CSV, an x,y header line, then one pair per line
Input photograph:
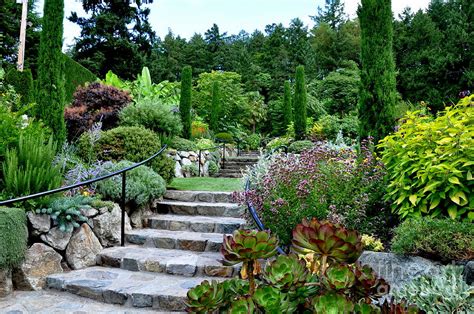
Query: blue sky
x,y
186,17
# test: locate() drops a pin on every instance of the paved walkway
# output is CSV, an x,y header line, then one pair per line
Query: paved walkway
x,y
49,301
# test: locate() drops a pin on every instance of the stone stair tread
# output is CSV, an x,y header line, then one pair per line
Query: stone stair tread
x,y
202,204
129,288
175,262
185,235
198,219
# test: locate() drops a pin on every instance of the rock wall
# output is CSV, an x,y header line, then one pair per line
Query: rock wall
x,y
187,158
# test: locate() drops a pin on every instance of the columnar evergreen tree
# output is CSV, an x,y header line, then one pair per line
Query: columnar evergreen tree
x,y
50,94
215,106
286,107
185,101
377,98
299,104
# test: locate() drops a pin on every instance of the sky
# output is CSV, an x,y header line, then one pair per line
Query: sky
x,y
186,17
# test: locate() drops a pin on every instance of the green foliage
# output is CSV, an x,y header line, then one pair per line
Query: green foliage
x,y
277,142
299,146
183,144
50,81
199,129
191,170
143,185
224,137
372,243
213,168
185,101
153,115
299,104
378,93
67,211
215,107
22,82
28,168
204,143
13,237
439,239
446,292
287,110
75,75
430,164
252,142
332,125
164,166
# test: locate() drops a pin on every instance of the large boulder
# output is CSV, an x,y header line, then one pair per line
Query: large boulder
x,y
40,262
39,223
83,248
469,273
396,269
56,238
107,226
6,284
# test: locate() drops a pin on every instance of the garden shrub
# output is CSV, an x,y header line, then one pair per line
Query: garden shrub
x,y
183,144
252,142
331,125
440,239
430,164
340,185
205,144
142,185
75,75
299,146
213,168
22,82
153,115
66,211
93,103
13,237
446,292
192,170
224,137
277,142
199,129
28,168
164,166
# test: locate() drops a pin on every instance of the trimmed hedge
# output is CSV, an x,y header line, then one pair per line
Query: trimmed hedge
x,y
75,75
439,239
22,82
13,237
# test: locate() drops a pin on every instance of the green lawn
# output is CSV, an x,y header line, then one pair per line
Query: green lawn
x,y
207,184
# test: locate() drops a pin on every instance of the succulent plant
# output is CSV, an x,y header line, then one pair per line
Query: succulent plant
x,y
392,307
368,283
330,243
206,297
366,308
242,305
332,302
339,277
248,245
272,300
287,272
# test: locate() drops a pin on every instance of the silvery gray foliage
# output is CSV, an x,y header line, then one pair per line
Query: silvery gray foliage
x,y
256,172
443,293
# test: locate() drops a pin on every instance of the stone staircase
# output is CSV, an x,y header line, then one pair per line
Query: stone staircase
x,y
177,250
233,166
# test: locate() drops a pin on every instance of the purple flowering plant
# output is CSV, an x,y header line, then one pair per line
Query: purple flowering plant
x,y
342,185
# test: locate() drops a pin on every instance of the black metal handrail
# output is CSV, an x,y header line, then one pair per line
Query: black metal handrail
x,y
88,182
250,206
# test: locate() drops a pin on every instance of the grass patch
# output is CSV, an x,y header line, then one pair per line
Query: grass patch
x,y
206,184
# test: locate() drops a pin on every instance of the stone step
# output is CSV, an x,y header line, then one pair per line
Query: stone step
x,y
173,262
194,223
200,208
243,158
181,240
234,166
199,196
128,288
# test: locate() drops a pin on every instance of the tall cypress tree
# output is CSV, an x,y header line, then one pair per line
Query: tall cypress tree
x,y
50,84
215,106
299,104
185,101
286,106
377,98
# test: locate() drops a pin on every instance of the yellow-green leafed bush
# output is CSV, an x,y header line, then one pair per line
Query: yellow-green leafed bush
x,y
13,237
430,164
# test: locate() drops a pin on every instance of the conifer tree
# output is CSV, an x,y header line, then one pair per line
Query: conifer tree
x,y
50,83
377,98
185,101
215,106
299,104
287,110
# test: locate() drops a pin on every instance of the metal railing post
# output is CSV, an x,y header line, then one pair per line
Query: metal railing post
x,y
122,234
199,162
238,148
223,156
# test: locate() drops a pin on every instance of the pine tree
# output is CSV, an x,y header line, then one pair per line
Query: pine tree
x,y
215,106
377,98
332,14
299,104
50,83
287,110
185,101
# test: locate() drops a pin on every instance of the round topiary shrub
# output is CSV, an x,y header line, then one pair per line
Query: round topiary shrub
x,y
299,146
224,137
13,237
164,166
183,144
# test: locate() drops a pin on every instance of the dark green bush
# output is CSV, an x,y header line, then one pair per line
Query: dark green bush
x,y
13,237
22,82
224,137
164,166
213,168
252,142
183,144
299,146
75,75
331,125
440,239
142,185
